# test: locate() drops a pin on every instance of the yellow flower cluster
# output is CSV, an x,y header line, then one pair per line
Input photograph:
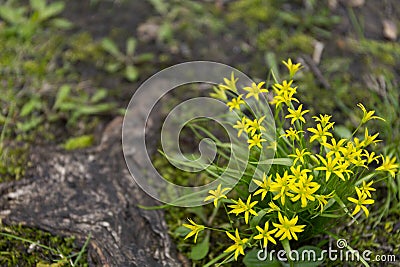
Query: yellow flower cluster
x,y
325,172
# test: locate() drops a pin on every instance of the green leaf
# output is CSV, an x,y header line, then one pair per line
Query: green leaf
x,y
32,123
12,15
277,161
145,57
95,109
182,231
251,260
62,95
38,5
165,32
109,46
130,46
51,11
99,95
33,104
256,219
342,131
60,23
160,5
113,67
79,142
131,73
200,250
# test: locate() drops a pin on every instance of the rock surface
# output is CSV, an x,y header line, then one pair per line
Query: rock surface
x,y
91,191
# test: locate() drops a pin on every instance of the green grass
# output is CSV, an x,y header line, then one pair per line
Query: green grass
x,y
22,246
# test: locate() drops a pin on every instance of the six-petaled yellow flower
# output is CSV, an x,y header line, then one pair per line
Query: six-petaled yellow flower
x,y
360,202
255,125
293,68
368,115
235,103
330,166
265,234
324,120
288,228
256,140
281,186
241,126
255,89
238,247
195,229
292,134
230,84
304,189
217,194
299,155
247,208
366,188
389,165
265,186
297,114
335,147
320,133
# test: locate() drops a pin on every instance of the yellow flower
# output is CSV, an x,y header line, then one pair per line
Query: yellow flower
x,y
265,186
288,228
256,140
247,208
322,200
366,188
324,120
335,148
292,134
298,173
273,207
330,166
238,247
253,126
362,200
230,84
389,165
216,194
299,155
241,126
351,153
285,97
281,185
235,103
370,139
265,234
195,229
304,189
343,166
293,68
297,114
371,157
255,89
218,93
368,115
279,89
320,133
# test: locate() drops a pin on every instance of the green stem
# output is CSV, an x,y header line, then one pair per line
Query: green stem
x,y
286,247
220,256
